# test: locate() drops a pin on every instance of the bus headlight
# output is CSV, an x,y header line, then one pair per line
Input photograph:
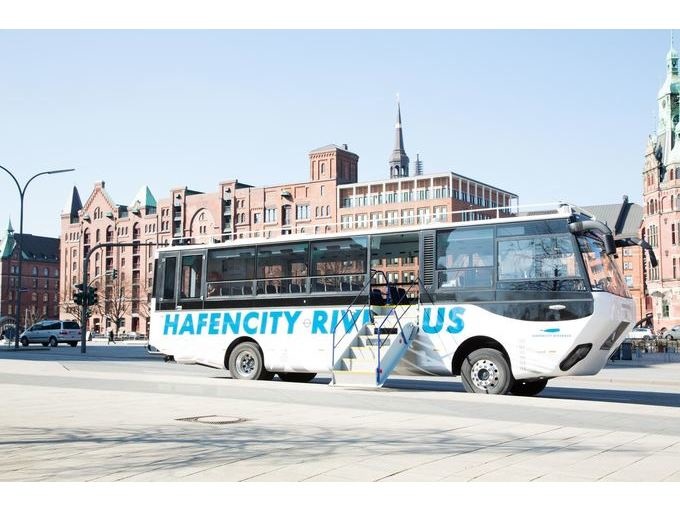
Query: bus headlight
x,y
576,355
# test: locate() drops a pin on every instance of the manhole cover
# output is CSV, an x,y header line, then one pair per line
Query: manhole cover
x,y
213,419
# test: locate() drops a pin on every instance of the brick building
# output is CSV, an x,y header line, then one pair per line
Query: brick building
x,y
661,195
331,199
39,278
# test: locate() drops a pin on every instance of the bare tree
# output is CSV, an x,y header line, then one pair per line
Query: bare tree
x,y
117,301
69,307
32,316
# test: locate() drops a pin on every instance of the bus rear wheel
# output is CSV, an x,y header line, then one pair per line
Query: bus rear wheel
x,y
528,388
300,377
246,362
486,371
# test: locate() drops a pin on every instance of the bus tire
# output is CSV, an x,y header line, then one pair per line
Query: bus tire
x,y
528,388
299,377
486,371
246,362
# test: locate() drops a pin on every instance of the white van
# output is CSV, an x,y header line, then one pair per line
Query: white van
x,y
52,333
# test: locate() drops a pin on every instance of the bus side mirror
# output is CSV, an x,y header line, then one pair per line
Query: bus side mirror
x,y
609,245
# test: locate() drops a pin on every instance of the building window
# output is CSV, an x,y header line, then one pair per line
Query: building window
x,y
270,215
627,265
407,217
346,222
665,309
439,213
423,216
673,234
302,212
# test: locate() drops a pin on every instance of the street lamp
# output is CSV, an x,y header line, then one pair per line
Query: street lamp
x,y
22,193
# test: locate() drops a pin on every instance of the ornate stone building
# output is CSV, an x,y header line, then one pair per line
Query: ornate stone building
x,y
661,195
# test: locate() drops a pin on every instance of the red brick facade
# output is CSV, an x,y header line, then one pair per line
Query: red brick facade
x,y
321,204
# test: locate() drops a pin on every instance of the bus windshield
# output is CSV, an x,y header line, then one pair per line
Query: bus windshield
x,y
602,272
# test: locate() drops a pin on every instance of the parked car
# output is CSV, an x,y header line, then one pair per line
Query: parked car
x,y
641,334
672,334
52,333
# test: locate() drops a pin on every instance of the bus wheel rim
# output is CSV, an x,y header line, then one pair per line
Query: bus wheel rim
x,y
245,363
484,374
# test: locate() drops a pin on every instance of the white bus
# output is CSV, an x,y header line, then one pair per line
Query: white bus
x,y
507,303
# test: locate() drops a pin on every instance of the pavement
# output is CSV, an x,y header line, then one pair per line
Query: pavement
x,y
117,414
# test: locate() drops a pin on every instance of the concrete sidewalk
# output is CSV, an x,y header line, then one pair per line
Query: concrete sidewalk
x,y
69,417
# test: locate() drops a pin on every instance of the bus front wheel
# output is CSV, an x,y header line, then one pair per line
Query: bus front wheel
x,y
486,371
246,362
528,388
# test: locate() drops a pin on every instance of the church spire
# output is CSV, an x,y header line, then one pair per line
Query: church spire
x,y
399,161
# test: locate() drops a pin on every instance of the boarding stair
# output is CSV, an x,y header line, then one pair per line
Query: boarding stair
x,y
366,355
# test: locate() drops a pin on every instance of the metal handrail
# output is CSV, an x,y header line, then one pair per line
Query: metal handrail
x,y
374,272
417,282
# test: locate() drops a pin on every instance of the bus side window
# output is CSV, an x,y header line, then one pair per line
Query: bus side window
x,y
191,276
170,266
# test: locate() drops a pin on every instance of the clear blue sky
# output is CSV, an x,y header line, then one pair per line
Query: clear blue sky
x,y
545,114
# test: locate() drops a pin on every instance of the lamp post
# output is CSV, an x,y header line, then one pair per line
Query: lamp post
x,y
22,193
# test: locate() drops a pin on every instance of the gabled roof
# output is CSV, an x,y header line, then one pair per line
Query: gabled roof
x,y
73,204
624,219
37,248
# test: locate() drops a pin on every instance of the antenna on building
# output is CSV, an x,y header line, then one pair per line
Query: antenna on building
x,y
419,165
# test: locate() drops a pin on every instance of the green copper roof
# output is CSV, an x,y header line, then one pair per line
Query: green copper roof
x,y
7,242
144,198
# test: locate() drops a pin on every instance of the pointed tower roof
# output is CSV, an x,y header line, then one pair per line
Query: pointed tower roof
x,y
671,52
73,204
672,83
143,198
399,161
7,242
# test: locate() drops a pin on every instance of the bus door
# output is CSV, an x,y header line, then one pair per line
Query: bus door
x,y
191,280
166,277
395,255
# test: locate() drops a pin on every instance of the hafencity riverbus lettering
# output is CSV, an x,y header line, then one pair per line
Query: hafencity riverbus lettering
x,y
270,322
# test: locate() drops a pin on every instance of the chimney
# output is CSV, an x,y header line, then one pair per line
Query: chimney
x,y
344,146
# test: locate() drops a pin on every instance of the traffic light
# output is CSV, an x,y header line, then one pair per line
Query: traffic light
x,y
79,296
114,274
92,298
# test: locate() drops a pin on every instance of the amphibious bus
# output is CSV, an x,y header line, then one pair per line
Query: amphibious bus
x,y
505,303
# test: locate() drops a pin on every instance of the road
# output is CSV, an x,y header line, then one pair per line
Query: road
x,y
115,414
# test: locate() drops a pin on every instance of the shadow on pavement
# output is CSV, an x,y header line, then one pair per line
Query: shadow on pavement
x,y
650,398
93,353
